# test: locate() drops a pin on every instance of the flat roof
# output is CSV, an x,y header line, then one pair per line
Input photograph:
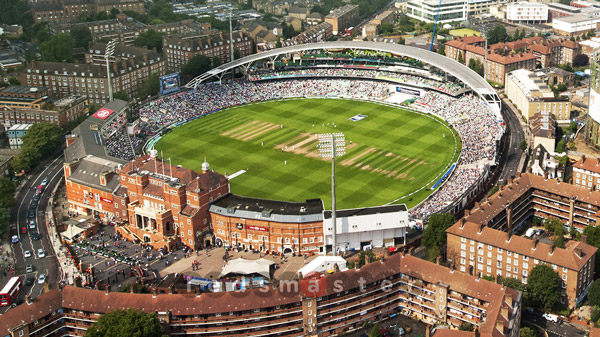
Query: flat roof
x,y
346,213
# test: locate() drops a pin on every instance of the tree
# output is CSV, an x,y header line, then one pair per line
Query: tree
x,y
594,293
216,61
523,145
466,327
497,34
25,160
523,34
441,50
528,332
288,31
387,28
151,40
512,283
59,48
150,88
581,60
7,193
197,65
82,36
559,241
46,138
434,236
376,331
517,35
318,9
476,66
4,219
122,95
14,81
460,59
128,322
560,146
544,286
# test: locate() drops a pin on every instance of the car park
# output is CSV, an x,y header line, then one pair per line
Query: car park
x,y
41,253
41,279
27,253
29,268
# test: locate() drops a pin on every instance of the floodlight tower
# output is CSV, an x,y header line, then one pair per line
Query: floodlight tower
x,y
110,51
332,145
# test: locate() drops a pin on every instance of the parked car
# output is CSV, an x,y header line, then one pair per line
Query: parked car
x,y
41,253
15,239
31,212
29,281
41,279
27,253
45,182
31,224
39,189
29,268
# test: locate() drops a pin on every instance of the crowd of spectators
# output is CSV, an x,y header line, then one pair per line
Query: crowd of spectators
x,y
212,97
360,72
119,145
469,116
479,131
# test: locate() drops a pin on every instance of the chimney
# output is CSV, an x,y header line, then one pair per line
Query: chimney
x,y
481,226
584,238
145,56
504,313
579,252
508,300
132,287
437,259
107,290
171,289
508,236
535,243
28,299
462,223
300,276
154,293
583,159
500,326
428,330
552,247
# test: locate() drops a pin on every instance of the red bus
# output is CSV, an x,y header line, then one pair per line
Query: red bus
x,y
10,290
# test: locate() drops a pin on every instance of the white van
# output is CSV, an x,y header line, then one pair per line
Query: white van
x,y
530,233
551,317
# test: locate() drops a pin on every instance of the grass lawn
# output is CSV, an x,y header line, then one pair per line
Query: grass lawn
x,y
394,152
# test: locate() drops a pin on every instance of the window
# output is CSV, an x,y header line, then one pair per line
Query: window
x,y
564,269
463,239
499,250
463,246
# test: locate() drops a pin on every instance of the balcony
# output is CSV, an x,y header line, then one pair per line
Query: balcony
x,y
225,318
360,304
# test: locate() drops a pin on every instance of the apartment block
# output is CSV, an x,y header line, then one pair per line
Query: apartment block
x,y
400,284
179,49
342,18
90,80
64,11
122,29
586,173
482,243
531,95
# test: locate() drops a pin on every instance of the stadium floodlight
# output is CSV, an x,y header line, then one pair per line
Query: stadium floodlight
x,y
110,51
332,145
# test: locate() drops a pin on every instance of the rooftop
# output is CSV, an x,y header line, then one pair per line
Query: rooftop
x,y
366,211
284,211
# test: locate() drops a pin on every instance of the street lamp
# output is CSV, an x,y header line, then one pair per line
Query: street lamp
x,y
332,145
110,51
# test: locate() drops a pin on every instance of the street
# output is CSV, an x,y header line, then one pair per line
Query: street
x,y
516,135
47,265
552,329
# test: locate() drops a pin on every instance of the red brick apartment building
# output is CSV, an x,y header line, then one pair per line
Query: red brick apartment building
x,y
31,105
527,53
480,242
250,223
63,11
180,48
167,204
401,284
586,173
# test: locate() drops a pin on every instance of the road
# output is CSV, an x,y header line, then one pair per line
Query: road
x,y
48,265
551,328
516,135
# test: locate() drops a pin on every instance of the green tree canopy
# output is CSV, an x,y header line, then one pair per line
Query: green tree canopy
x,y
25,160
434,236
544,286
594,293
130,323
82,36
151,40
45,137
58,48
497,34
197,65
150,87
122,95
528,332
460,58
7,193
376,331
